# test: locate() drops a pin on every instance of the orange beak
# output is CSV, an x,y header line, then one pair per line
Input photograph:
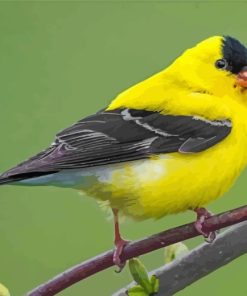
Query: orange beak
x,y
242,77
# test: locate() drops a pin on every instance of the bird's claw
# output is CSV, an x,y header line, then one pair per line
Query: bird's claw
x,y
119,246
202,215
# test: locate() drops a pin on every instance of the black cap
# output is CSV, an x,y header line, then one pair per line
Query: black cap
x,y
235,53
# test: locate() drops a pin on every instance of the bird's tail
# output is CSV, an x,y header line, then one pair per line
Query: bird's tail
x,y
11,179
8,179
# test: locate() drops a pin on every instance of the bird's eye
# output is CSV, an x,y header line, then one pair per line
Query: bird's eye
x,y
221,64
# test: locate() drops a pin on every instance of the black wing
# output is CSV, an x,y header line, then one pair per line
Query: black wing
x,y
120,136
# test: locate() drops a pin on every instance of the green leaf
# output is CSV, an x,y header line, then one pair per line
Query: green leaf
x,y
155,283
175,251
137,291
140,275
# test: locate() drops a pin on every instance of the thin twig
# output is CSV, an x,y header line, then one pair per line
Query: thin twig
x,y
199,262
135,249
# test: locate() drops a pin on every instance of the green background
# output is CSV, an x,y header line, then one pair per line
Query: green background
x,y
60,61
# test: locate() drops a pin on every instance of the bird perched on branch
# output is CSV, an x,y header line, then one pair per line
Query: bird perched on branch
x,y
173,142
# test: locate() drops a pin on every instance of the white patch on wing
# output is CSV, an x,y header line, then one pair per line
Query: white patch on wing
x,y
153,129
127,116
214,123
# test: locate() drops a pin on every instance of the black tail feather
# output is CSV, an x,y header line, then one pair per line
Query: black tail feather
x,y
4,180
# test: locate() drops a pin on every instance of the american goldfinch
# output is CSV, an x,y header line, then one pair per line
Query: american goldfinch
x,y
173,142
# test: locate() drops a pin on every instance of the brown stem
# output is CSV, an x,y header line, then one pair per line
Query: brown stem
x,y
137,248
199,262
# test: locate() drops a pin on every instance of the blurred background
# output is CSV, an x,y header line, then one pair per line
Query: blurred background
x,y
61,61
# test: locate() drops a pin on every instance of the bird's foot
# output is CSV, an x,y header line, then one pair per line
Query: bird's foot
x,y
119,246
202,215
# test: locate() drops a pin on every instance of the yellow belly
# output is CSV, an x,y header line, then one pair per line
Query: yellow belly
x,y
174,182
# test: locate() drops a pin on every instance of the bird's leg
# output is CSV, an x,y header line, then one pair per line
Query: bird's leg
x,y
119,242
202,215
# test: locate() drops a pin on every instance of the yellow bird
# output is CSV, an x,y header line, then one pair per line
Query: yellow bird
x,y
173,142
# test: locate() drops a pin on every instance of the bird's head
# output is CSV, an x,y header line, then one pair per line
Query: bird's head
x,y
214,70
217,65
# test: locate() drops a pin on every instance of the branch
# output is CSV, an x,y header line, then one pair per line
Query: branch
x,y
199,262
135,249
